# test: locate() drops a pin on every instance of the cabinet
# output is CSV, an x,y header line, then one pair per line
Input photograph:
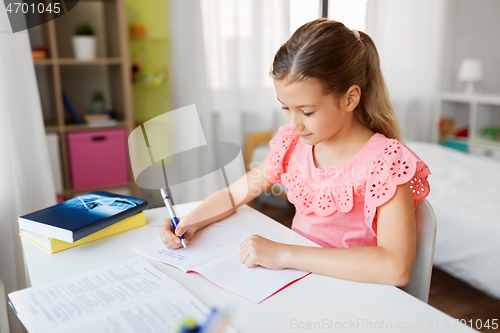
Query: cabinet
x,y
479,113
109,73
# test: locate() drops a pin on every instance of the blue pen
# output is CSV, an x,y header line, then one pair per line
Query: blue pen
x,y
174,218
208,326
216,321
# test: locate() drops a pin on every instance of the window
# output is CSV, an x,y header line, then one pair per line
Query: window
x,y
303,11
352,13
241,38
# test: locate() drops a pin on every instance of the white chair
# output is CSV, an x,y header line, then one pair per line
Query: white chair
x,y
426,226
4,319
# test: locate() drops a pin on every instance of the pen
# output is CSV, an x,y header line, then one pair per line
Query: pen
x,y
170,209
216,322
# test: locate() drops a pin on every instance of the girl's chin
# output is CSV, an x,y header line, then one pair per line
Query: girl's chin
x,y
308,140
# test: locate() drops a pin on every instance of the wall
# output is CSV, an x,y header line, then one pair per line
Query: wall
x,y
471,31
409,37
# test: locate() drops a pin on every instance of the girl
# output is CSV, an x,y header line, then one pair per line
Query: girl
x,y
354,185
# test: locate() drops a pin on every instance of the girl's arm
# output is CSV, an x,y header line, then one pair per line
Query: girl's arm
x,y
391,262
214,207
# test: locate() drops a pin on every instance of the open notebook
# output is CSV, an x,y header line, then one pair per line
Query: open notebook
x,y
214,252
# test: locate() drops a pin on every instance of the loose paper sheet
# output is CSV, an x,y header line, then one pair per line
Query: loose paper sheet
x,y
130,296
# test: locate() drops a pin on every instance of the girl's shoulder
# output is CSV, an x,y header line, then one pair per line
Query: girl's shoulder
x,y
391,158
389,164
278,159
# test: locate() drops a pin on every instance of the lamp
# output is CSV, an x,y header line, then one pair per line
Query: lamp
x,y
471,70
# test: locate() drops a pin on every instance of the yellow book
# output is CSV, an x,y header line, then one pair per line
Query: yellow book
x,y
53,245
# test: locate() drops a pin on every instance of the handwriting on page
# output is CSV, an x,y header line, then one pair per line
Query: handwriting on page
x,y
207,244
171,254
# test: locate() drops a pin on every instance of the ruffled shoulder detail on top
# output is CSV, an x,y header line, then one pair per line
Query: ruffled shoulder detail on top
x,y
278,159
396,165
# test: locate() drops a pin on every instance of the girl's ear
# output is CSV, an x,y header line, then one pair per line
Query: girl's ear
x,y
353,96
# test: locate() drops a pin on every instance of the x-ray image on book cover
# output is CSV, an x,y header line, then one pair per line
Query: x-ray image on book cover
x,y
76,218
101,205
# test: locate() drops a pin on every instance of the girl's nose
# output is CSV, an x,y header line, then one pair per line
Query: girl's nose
x,y
295,123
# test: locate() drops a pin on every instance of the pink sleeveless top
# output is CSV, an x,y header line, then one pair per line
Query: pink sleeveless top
x,y
337,206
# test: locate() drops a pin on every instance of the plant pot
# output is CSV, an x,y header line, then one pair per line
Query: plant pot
x,y
97,107
84,47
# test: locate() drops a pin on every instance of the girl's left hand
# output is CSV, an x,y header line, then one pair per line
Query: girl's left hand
x,y
259,251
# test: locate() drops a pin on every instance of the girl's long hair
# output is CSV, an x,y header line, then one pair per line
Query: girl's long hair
x,y
328,51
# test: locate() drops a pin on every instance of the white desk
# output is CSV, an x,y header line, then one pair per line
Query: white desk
x,y
315,303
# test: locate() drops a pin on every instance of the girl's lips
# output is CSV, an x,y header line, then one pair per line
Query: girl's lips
x,y
304,135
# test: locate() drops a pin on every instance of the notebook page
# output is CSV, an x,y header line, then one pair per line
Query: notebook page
x,y
48,306
162,313
207,244
255,284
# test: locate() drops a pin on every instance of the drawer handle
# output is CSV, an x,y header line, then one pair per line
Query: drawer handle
x,y
99,138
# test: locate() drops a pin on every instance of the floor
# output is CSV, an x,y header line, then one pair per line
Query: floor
x,y
447,294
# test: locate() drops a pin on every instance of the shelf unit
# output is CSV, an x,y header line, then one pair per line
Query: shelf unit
x,y
108,72
474,111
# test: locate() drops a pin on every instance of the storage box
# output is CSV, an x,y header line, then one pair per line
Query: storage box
x,y
98,159
456,143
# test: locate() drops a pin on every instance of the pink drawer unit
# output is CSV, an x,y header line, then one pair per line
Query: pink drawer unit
x,y
98,158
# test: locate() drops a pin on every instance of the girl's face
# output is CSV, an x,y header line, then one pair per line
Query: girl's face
x,y
314,116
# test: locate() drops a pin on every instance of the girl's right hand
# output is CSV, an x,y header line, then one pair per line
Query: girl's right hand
x,y
170,235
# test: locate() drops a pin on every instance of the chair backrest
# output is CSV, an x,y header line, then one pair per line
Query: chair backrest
x,y
426,226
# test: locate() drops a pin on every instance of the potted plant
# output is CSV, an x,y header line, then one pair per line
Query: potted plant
x,y
97,105
84,42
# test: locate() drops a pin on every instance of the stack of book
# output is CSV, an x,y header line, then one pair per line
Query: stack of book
x,y
99,119
39,52
82,219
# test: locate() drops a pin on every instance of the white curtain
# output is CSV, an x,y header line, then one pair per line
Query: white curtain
x,y
410,39
241,38
221,54
187,73
25,176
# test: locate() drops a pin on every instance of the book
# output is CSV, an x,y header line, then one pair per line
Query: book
x,y
96,116
81,216
71,109
214,252
99,123
128,296
53,245
39,52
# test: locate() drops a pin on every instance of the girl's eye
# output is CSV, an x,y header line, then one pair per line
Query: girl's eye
x,y
284,108
307,114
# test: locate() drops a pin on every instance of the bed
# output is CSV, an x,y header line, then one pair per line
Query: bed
x,y
465,195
